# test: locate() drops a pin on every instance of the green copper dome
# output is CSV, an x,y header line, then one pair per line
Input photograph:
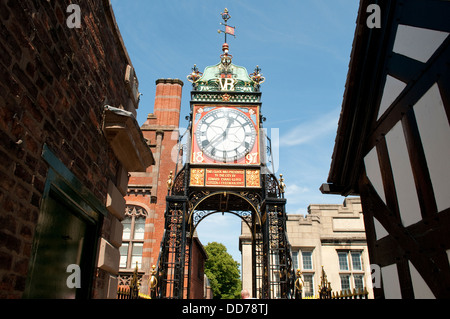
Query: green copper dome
x,y
225,76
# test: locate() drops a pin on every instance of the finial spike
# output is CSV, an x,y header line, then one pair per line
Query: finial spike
x,y
228,29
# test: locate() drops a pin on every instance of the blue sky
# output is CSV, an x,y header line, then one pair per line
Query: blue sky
x,y
303,48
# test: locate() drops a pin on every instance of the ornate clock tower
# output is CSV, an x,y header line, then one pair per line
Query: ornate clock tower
x,y
226,171
225,126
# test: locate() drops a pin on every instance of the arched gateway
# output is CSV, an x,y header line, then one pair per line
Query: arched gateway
x,y
226,171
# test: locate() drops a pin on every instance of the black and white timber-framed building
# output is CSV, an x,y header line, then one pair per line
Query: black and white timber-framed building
x,y
392,146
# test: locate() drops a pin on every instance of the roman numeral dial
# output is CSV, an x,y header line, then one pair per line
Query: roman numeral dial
x,y
225,134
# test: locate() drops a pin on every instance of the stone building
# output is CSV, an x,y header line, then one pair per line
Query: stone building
x,y
68,100
329,236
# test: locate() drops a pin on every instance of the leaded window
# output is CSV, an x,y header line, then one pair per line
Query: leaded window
x,y
133,237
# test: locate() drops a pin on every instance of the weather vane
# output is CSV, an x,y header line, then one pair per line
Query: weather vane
x,y
228,29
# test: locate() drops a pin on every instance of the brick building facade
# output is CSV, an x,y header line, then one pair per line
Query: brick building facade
x,y
148,190
68,100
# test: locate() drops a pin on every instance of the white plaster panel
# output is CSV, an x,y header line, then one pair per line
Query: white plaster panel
x,y
380,231
421,289
391,284
417,43
435,135
392,89
373,172
403,177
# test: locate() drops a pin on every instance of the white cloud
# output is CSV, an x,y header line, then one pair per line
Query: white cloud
x,y
295,190
309,131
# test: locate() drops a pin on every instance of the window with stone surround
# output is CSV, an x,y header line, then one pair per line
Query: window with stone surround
x,y
351,269
133,237
303,260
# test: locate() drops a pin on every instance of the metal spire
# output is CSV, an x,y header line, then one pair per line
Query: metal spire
x,y
228,29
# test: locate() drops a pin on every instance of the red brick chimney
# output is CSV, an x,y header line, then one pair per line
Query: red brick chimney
x,y
149,189
166,111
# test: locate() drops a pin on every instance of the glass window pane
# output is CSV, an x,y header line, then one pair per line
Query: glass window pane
x,y
136,255
359,281
345,282
139,228
307,259
137,259
356,260
123,255
343,262
308,287
295,260
126,228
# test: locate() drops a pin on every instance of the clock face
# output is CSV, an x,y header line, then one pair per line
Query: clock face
x,y
225,135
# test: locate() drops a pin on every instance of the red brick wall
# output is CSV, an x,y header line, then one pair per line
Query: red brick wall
x,y
198,270
161,130
54,82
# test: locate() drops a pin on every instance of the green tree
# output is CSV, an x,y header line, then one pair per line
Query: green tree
x,y
223,272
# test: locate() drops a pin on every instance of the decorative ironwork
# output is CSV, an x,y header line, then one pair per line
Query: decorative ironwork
x,y
257,77
196,197
272,186
194,76
129,288
198,216
178,187
258,202
279,274
235,97
225,61
252,197
171,263
226,76
325,286
225,15
228,29
263,210
360,293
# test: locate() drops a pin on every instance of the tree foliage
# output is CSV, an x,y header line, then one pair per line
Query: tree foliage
x,y
223,272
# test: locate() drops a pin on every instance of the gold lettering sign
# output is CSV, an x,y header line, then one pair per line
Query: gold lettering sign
x,y
216,177
225,177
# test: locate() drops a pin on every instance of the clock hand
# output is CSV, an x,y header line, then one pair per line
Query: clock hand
x,y
230,121
217,139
